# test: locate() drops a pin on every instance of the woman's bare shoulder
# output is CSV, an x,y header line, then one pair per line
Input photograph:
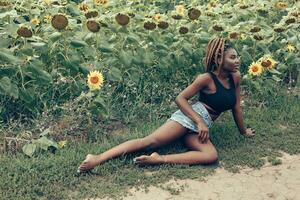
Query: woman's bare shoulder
x,y
236,77
203,79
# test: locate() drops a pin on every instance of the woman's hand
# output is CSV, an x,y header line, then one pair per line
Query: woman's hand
x,y
249,132
203,132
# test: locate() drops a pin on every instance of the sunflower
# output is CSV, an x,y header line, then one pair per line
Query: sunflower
x,y
290,48
255,69
122,19
194,13
233,35
95,80
163,25
267,62
47,18
47,2
59,21
180,10
157,18
101,2
83,7
35,21
281,5
24,32
211,5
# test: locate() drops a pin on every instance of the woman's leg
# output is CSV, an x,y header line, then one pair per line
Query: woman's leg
x,y
200,153
165,134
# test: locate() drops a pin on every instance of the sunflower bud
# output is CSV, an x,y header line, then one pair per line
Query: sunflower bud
x,y
295,14
243,6
122,19
262,12
24,32
163,25
233,35
255,29
132,15
103,24
266,63
91,14
149,25
183,30
177,17
218,28
5,6
279,29
290,20
93,26
258,37
194,13
59,21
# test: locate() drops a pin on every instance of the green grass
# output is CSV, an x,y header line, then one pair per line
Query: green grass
x,y
53,176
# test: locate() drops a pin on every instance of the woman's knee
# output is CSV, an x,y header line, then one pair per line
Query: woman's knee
x,y
211,156
150,142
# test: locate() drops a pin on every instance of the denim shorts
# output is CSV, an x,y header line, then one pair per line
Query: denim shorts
x,y
185,121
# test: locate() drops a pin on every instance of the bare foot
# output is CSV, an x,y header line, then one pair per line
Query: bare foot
x,y
154,158
89,163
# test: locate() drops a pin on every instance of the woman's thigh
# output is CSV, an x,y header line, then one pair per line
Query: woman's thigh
x,y
168,132
192,142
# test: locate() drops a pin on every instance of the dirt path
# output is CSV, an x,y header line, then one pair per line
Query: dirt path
x,y
281,182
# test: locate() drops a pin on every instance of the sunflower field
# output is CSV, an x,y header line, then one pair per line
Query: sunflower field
x,y
71,65
143,51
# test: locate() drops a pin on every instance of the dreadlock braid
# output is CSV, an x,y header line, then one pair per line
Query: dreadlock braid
x,y
214,50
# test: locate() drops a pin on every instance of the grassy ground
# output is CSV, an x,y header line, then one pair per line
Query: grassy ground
x,y
52,176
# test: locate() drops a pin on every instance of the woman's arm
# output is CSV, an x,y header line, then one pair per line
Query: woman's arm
x,y
237,110
182,101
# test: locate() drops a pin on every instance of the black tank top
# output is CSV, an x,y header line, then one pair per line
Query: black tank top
x,y
223,99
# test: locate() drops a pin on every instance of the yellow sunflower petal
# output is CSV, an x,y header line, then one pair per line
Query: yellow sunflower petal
x,y
180,10
255,69
268,62
290,48
95,80
62,144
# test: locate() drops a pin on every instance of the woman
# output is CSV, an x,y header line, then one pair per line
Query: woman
x,y
219,90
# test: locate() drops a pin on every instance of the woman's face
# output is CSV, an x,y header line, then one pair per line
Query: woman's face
x,y
231,61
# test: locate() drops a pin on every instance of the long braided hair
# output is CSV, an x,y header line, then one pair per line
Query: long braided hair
x,y
215,49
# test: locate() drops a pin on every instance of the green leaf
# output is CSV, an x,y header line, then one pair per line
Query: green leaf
x,y
132,38
29,149
7,57
296,61
188,49
26,96
14,91
12,13
134,75
45,132
105,48
276,78
39,74
8,71
98,107
78,43
290,58
246,57
274,71
125,58
162,46
44,143
54,36
115,74
5,84
38,44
